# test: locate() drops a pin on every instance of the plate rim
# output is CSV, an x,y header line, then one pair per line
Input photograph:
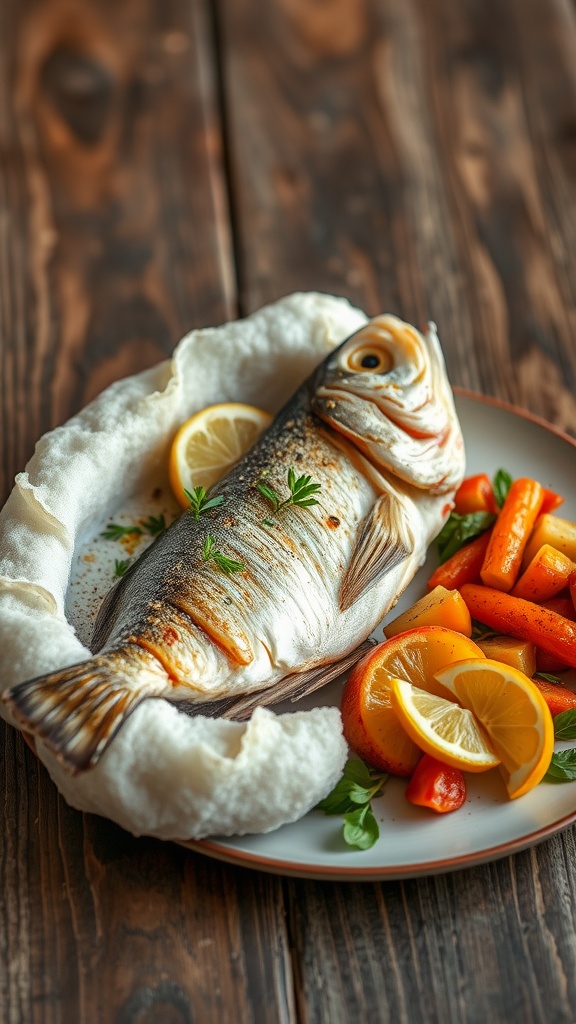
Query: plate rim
x,y
219,850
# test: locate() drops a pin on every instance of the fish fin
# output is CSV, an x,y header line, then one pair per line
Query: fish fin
x,y
385,540
292,687
77,711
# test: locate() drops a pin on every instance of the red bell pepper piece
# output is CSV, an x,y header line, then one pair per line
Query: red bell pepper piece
x,y
551,500
436,785
475,494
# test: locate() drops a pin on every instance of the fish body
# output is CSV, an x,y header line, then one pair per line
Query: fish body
x,y
374,428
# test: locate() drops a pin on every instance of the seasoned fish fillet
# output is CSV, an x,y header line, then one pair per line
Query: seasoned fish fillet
x,y
248,603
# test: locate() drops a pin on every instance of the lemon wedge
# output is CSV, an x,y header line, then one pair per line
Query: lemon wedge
x,y
210,443
442,728
512,712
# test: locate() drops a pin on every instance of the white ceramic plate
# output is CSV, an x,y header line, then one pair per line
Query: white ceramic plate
x,y
413,841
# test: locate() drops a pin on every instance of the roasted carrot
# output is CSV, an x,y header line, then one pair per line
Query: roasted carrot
x,y
558,698
475,494
463,566
547,575
510,534
516,617
550,501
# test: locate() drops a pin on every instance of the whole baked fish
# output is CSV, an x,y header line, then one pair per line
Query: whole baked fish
x,y
313,536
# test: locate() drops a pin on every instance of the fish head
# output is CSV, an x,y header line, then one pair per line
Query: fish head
x,y
385,389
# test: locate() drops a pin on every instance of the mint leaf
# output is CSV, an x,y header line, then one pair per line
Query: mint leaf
x,y
351,797
562,767
459,529
565,725
361,828
501,484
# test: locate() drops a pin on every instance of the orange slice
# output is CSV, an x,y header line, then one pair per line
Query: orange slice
x,y
442,728
210,443
371,726
512,712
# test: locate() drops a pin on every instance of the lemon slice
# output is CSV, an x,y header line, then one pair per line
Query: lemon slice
x,y
442,728
210,443
513,713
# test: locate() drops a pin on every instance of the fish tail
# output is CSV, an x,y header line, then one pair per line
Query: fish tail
x,y
77,711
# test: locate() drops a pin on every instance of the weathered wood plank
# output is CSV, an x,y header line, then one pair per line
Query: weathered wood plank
x,y
114,240
417,156
114,236
397,161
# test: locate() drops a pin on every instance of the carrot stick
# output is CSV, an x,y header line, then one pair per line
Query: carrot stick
x,y
510,534
546,575
475,494
558,698
516,617
463,566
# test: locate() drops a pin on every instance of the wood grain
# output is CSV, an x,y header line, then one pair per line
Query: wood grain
x,y
164,165
114,234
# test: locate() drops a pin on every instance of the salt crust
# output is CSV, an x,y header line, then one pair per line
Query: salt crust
x,y
165,774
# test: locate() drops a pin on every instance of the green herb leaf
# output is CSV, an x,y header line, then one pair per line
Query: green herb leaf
x,y
548,678
351,797
565,725
301,491
501,484
562,767
459,529
211,553
154,525
121,567
114,531
361,828
199,503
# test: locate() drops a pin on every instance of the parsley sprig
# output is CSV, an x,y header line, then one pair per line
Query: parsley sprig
x,y
114,531
121,567
200,503
154,525
210,553
352,797
301,493
562,767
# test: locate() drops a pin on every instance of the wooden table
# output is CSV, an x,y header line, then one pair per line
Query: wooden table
x,y
171,164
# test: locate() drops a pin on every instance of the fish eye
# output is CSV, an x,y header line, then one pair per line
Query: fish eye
x,y
369,359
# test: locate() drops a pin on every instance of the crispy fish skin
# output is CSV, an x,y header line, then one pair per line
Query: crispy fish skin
x,y
375,427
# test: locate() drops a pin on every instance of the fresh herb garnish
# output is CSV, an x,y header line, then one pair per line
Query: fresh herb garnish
x,y
548,678
351,797
562,767
301,491
565,725
199,503
154,525
114,531
211,553
121,567
501,484
459,529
